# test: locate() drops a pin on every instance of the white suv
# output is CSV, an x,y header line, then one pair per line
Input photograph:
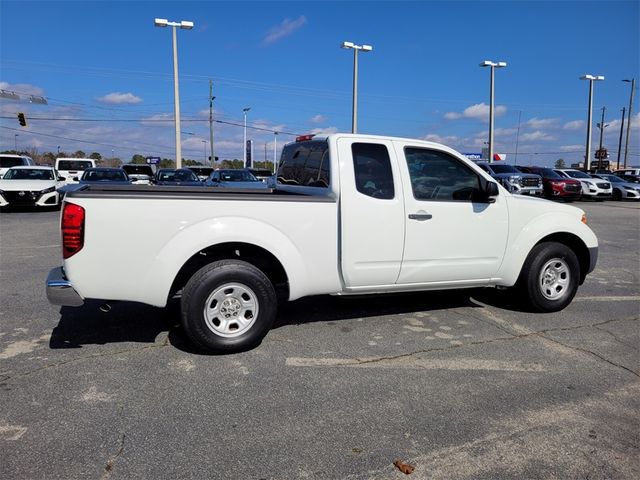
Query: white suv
x,y
73,168
593,188
8,160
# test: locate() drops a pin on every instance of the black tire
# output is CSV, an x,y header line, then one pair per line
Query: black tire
x,y
550,276
617,195
228,306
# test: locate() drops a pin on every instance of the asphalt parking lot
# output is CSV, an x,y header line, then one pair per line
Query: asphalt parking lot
x,y
460,385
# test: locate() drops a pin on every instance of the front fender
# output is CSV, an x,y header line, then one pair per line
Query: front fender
x,y
193,238
525,237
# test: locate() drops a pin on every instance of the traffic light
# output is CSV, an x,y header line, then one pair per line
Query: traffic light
x,y
22,119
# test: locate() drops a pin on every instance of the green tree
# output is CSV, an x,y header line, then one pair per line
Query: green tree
x,y
80,154
137,158
95,156
560,163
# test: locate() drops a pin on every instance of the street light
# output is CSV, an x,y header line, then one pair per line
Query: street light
x,y
626,144
591,78
275,148
492,65
163,22
354,109
15,138
204,144
244,145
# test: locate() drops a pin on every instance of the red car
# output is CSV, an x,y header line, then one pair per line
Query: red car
x,y
555,186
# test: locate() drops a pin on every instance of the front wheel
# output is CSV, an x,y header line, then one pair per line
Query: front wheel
x,y
228,306
550,277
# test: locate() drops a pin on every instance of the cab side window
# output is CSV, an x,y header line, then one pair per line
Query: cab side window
x,y
438,176
372,167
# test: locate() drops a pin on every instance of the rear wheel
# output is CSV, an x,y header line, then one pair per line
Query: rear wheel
x,y
550,277
228,306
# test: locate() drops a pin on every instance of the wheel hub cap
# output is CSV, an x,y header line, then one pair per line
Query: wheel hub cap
x,y
554,279
231,310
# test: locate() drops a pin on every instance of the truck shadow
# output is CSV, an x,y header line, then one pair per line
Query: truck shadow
x,y
139,323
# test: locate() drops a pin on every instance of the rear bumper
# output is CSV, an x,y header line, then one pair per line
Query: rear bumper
x,y
60,291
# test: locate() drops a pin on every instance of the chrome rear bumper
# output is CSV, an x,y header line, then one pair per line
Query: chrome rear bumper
x,y
60,291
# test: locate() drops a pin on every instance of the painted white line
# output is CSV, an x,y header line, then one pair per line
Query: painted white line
x,y
619,298
409,362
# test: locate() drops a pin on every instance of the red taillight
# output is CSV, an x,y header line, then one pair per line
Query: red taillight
x,y
72,227
304,138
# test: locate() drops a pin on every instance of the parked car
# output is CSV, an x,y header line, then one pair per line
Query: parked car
x,y
262,174
556,186
622,190
239,178
30,186
201,172
629,177
181,176
71,168
593,188
8,160
98,175
514,180
142,173
627,171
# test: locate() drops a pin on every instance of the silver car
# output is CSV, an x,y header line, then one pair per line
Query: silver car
x,y
622,190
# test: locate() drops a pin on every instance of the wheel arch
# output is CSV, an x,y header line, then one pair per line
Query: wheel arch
x,y
576,244
255,255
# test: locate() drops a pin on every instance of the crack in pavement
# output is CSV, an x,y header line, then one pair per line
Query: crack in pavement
x,y
83,358
108,468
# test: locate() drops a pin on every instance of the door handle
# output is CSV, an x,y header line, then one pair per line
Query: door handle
x,y
420,216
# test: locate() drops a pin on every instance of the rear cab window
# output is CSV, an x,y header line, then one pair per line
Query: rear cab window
x,y
74,164
372,169
305,164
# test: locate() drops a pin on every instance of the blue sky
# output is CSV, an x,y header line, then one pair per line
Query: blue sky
x,y
107,74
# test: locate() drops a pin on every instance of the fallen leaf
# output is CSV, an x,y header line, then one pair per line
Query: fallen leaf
x,y
404,467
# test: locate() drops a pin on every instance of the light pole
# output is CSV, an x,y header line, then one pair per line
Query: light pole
x,y
275,148
624,110
15,138
58,150
354,108
211,99
163,22
626,144
204,144
602,126
587,155
493,66
244,144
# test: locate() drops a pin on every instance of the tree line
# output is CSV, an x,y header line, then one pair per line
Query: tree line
x,y
49,158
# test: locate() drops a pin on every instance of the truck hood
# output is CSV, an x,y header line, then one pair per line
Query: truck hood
x,y
542,205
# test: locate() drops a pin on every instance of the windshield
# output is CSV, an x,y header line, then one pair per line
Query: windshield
x,y
138,169
29,174
237,176
503,168
612,178
104,176
74,164
576,174
7,162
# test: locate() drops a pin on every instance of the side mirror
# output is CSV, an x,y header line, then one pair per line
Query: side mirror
x,y
133,180
488,191
75,179
491,189
61,178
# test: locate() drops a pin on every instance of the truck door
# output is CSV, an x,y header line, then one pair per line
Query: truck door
x,y
449,238
371,212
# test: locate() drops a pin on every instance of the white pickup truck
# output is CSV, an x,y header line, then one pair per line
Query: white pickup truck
x,y
349,215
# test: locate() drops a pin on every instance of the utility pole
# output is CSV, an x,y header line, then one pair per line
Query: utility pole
x,y
602,125
620,141
211,99
626,145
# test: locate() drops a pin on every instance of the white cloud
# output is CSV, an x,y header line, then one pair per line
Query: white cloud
x,y
117,98
446,140
324,131
21,88
286,28
571,148
536,136
574,125
160,119
537,123
478,111
318,119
